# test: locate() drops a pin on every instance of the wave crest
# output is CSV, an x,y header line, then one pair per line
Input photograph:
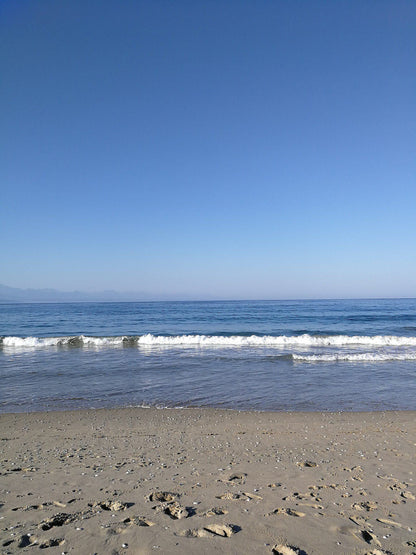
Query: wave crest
x,y
304,340
149,340
78,340
356,357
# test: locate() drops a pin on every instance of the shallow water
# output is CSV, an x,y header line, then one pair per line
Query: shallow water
x,y
264,355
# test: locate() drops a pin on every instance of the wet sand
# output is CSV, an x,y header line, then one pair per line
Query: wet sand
x,y
208,481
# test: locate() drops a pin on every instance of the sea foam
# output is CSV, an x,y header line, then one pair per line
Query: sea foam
x,y
304,340
355,357
149,340
79,340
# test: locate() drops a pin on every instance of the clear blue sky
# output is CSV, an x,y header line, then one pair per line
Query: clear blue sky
x,y
236,149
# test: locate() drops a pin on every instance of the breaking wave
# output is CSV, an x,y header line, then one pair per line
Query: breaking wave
x,y
358,357
76,341
304,340
149,340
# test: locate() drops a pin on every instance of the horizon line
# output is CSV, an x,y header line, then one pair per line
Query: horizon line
x,y
214,300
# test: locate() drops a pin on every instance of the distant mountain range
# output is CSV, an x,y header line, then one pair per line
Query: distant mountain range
x,y
15,295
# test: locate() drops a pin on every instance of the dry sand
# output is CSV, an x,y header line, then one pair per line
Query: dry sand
x,y
208,481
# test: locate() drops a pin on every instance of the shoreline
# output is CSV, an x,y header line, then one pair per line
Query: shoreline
x,y
203,409
208,480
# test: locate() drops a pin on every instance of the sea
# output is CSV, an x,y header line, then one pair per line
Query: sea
x,y
318,355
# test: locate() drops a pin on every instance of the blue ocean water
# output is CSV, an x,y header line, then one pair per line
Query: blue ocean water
x,y
262,355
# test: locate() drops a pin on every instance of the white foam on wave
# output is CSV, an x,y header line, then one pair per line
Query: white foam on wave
x,y
102,341
30,341
149,340
359,357
35,342
304,340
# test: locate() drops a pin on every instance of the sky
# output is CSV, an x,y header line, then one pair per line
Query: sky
x,y
210,149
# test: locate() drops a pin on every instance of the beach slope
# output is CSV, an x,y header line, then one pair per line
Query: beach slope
x,y
208,481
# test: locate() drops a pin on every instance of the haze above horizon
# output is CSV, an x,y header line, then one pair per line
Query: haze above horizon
x,y
233,150
16,295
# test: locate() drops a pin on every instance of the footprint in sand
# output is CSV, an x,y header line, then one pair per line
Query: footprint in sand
x,y
238,478
398,486
299,496
244,496
58,520
370,537
216,511
110,505
53,542
283,549
176,511
26,540
253,496
162,496
30,540
229,496
358,520
367,505
289,512
138,521
128,522
307,464
169,505
222,530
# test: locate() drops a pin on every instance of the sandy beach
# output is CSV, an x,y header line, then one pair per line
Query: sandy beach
x,y
208,481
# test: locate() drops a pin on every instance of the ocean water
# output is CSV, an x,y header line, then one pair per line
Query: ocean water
x,y
262,355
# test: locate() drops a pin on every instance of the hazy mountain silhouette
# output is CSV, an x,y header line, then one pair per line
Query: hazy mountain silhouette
x,y
13,295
